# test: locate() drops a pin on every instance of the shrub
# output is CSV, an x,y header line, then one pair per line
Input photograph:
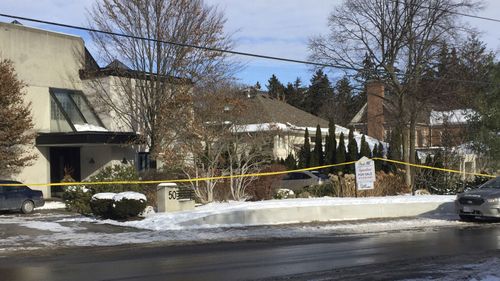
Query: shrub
x,y
386,184
102,205
115,173
322,190
265,187
304,194
77,199
284,193
128,205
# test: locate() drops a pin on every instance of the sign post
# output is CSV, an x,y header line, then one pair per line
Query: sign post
x,y
365,174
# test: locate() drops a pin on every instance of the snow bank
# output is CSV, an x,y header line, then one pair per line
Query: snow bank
x,y
130,195
103,196
172,221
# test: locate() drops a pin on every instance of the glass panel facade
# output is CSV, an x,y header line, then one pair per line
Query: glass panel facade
x,y
57,121
72,105
87,113
69,107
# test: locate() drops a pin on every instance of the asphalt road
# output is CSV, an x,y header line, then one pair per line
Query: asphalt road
x,y
331,257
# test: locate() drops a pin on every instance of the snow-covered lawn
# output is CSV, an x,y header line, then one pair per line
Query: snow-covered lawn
x,y
172,221
56,229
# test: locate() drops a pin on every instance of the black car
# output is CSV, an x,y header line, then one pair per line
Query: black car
x,y
19,198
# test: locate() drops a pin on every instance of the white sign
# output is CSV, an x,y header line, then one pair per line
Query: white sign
x,y
365,173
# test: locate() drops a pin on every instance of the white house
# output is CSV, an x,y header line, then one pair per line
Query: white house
x,y
72,138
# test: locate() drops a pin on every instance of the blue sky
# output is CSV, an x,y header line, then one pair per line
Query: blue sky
x,y
269,27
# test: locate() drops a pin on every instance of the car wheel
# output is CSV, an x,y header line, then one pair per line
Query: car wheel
x,y
27,207
466,218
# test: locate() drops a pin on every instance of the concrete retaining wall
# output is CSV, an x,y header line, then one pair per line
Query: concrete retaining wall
x,y
324,213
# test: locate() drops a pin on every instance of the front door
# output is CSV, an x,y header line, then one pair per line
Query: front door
x,y
64,166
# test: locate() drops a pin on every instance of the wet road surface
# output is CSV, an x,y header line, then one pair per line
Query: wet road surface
x,y
271,259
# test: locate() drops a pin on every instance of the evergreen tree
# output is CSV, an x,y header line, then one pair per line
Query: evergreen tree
x,y
352,150
319,90
318,158
344,102
331,145
365,148
341,152
16,123
305,152
395,141
275,89
290,162
378,163
394,151
293,96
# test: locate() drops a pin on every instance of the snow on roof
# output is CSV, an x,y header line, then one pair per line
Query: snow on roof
x,y
458,116
89,128
266,127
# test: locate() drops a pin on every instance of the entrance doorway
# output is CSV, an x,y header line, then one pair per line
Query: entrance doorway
x,y
64,163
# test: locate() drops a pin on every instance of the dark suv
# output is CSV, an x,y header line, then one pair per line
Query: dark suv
x,y
20,198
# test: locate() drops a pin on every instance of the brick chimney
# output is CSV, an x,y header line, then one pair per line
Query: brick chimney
x,y
375,109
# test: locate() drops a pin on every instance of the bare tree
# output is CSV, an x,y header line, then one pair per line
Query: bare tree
x,y
153,93
16,125
402,38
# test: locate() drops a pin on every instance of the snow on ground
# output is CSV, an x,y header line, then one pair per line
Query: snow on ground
x,y
487,270
171,221
62,229
52,205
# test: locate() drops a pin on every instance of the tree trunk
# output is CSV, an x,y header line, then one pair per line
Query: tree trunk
x,y
406,153
412,140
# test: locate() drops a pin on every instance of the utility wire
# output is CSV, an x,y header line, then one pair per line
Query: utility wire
x,y
219,50
180,44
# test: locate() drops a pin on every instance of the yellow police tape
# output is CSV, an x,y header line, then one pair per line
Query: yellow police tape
x,y
249,175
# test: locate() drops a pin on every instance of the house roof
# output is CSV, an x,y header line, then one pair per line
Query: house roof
x,y
117,68
263,109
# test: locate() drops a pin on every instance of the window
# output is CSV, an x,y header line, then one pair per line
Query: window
x,y
68,109
143,161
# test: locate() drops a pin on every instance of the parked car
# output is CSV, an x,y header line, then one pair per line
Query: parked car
x,y
298,180
483,202
19,198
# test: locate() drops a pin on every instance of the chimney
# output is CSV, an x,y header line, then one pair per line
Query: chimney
x,y
375,110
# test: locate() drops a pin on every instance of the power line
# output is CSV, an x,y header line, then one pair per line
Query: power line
x,y
220,50
180,44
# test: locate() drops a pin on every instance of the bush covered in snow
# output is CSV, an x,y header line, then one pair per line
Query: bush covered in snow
x,y
102,205
284,193
122,205
78,198
128,205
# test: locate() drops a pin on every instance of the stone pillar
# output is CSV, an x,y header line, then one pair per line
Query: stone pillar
x,y
166,197
375,109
